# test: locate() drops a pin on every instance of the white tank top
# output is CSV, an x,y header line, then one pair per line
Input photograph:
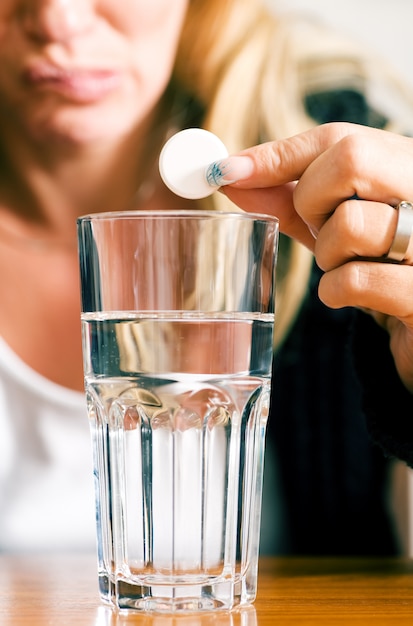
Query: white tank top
x,y
46,470
46,479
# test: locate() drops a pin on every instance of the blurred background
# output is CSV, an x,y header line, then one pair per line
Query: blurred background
x,y
383,25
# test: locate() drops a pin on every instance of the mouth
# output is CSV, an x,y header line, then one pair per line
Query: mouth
x,y
79,85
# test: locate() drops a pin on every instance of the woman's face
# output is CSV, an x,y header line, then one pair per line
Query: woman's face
x,y
82,70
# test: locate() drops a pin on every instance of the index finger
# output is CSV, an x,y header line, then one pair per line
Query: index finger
x,y
278,162
332,163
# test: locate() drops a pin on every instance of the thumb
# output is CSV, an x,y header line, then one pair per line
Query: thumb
x,y
276,201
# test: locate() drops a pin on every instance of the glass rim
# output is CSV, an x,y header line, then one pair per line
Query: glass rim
x,y
171,213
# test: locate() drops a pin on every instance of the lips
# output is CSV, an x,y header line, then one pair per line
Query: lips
x,y
75,84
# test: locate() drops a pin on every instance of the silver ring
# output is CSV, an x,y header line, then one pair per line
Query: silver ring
x,y
404,230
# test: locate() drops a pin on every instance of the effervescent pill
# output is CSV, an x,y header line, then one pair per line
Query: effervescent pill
x,y
185,158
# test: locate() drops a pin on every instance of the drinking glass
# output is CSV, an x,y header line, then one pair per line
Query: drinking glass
x,y
177,327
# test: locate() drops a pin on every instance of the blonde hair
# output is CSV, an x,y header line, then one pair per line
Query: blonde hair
x,y
250,71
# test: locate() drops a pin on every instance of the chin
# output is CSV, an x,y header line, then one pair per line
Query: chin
x,y
83,125
78,135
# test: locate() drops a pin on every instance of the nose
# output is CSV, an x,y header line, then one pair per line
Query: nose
x,y
56,20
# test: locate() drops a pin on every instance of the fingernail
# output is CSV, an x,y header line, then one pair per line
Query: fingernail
x,y
229,170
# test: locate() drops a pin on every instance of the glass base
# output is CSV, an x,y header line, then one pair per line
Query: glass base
x,y
181,597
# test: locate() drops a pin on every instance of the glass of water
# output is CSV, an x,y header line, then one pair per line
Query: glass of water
x,y
177,323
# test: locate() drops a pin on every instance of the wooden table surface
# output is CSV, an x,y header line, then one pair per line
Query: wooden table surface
x,y
62,590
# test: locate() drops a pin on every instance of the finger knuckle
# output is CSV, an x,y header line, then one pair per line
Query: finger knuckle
x,y
351,156
345,286
271,154
334,132
343,231
348,221
355,280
